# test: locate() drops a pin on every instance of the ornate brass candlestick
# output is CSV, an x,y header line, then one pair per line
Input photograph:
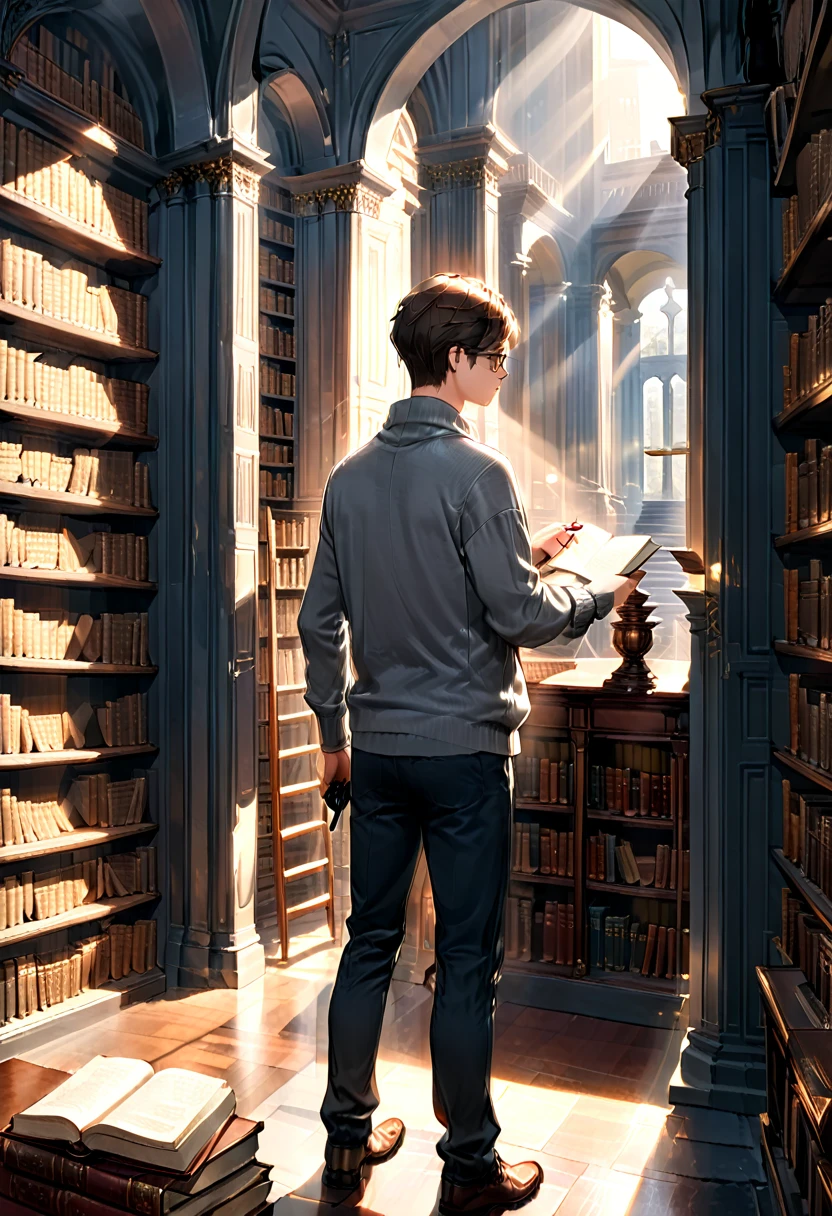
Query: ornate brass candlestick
x,y
632,637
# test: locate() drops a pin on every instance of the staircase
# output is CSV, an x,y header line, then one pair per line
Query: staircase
x,y
664,520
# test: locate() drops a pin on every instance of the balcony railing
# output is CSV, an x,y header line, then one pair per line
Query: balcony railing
x,y
524,169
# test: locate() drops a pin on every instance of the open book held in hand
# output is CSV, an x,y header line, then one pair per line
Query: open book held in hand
x,y
120,1106
589,553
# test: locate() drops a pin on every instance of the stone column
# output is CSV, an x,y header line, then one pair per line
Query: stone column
x,y
208,411
733,797
581,402
628,472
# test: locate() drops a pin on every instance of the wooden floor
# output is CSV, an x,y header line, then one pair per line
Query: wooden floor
x,y
586,1098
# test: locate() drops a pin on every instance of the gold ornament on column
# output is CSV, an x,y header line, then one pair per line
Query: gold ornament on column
x,y
632,637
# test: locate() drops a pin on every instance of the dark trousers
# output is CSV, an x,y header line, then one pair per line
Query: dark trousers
x,y
460,806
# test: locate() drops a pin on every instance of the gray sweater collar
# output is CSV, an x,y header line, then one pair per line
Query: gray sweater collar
x,y
419,418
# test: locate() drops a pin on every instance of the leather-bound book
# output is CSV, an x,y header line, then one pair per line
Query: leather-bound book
x,y
649,950
661,949
570,935
549,932
561,942
670,973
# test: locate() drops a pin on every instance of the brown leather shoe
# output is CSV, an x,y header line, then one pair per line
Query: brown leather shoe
x,y
509,1187
344,1166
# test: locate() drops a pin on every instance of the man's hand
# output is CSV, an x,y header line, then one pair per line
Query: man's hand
x,y
544,543
336,767
619,587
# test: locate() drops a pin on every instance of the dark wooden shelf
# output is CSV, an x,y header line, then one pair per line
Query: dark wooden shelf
x,y
81,915
75,667
61,335
292,549
812,107
273,240
68,842
75,578
637,892
279,211
274,464
817,532
281,316
77,238
810,771
820,904
110,434
276,397
70,504
806,278
80,755
813,410
279,502
639,821
264,354
532,804
815,654
547,880
278,283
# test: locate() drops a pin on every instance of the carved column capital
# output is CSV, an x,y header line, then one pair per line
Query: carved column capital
x,y
345,196
689,138
456,174
223,174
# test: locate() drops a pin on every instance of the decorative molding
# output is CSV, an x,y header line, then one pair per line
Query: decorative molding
x,y
688,138
347,196
224,175
17,16
459,174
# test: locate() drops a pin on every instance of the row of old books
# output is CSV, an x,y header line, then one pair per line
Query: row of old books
x,y
542,933
280,270
39,170
626,943
72,293
36,982
813,172
273,300
629,792
277,384
291,667
290,571
37,542
123,722
808,486
110,638
77,88
276,453
810,358
274,422
103,475
25,732
279,343
26,379
539,779
273,196
806,941
26,822
809,723
608,861
807,606
287,616
275,485
194,1156
807,834
35,897
273,230
290,532
102,802
538,850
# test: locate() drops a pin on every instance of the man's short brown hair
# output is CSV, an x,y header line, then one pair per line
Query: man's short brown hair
x,y
445,311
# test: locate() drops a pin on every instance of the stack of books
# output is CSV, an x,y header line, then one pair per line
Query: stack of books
x,y
116,1137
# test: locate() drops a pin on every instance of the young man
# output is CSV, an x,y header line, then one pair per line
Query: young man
x,y
424,574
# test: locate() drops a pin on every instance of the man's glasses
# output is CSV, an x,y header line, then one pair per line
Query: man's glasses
x,y
496,359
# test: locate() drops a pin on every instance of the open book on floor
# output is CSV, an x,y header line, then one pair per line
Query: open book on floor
x,y
591,553
120,1106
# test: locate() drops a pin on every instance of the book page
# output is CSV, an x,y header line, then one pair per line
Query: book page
x,y
621,555
166,1109
91,1093
588,541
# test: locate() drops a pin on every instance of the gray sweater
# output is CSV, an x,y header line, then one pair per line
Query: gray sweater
x,y
424,574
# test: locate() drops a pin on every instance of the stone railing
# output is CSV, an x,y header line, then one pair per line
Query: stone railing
x,y
524,169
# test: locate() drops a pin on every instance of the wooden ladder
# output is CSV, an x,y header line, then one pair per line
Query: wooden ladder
x,y
281,793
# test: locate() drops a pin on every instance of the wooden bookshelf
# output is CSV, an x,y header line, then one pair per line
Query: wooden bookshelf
x,y
808,412
62,503
814,654
75,237
110,434
69,842
63,335
817,533
807,277
75,578
810,771
574,707
75,667
80,755
811,107
83,915
820,903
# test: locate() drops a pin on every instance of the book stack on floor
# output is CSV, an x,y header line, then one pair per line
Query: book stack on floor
x,y
114,1137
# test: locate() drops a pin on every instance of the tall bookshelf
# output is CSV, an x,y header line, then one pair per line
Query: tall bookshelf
x,y
797,1003
79,811
598,764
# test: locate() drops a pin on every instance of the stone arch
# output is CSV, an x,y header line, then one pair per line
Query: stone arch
x,y
636,273
548,265
421,43
310,134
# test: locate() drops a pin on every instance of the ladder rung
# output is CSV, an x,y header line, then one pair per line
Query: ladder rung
x,y
308,867
306,750
301,829
287,791
320,901
302,713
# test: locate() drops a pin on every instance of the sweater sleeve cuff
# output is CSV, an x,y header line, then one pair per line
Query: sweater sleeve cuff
x,y
334,735
584,611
